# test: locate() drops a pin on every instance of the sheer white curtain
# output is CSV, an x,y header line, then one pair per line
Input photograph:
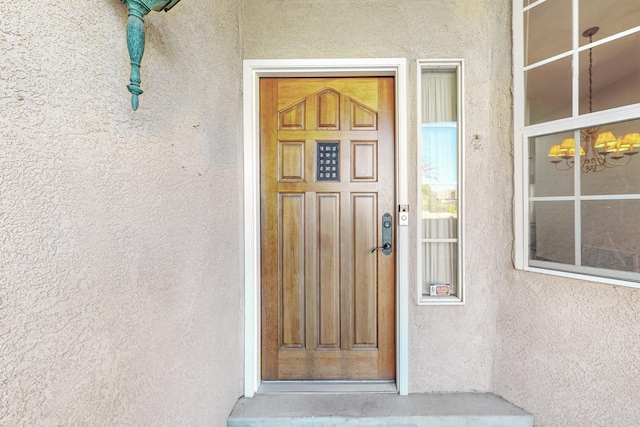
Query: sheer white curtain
x,y
439,96
439,265
439,179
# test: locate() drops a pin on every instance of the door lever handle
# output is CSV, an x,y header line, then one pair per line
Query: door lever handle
x,y
385,247
387,223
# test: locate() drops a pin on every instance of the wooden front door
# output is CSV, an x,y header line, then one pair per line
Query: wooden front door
x,y
327,178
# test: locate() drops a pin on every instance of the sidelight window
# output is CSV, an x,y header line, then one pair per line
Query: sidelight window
x,y
440,182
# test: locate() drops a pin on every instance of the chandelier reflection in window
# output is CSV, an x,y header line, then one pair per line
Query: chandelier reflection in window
x,y
598,150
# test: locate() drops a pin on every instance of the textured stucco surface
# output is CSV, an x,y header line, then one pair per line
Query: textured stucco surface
x,y
451,348
568,351
120,233
120,256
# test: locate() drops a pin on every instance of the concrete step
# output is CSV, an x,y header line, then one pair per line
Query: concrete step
x,y
379,410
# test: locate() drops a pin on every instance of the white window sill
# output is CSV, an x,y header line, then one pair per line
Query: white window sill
x,y
597,279
440,300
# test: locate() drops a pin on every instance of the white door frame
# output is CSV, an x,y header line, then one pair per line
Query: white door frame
x,y
253,70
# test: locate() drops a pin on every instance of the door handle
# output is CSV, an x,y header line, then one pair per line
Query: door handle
x,y
383,248
387,223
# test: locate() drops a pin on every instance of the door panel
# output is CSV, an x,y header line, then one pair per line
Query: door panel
x,y
364,270
292,292
328,281
327,177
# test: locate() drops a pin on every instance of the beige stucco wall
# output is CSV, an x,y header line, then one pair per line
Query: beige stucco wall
x,y
568,350
120,234
451,348
120,239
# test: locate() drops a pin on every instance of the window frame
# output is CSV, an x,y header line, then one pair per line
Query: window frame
x,y
522,134
457,65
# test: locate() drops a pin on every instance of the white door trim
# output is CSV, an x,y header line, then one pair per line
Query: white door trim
x,y
253,70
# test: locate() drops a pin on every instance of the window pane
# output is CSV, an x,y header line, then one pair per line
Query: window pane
x,y
440,266
439,143
611,16
439,96
582,183
547,30
440,228
439,179
548,91
552,232
619,172
550,165
610,234
615,75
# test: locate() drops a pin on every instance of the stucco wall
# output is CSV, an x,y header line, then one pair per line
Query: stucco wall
x,y
450,347
120,258
568,350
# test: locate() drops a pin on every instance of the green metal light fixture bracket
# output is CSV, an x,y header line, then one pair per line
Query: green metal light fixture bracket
x,y
135,38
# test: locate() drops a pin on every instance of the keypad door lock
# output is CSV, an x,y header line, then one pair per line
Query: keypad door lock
x,y
387,235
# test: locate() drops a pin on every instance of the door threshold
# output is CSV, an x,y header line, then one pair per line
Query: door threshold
x,y
329,387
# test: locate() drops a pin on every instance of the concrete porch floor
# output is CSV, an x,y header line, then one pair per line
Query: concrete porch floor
x,y
378,409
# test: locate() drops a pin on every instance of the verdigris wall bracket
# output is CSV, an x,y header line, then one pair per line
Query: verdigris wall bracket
x,y
135,38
